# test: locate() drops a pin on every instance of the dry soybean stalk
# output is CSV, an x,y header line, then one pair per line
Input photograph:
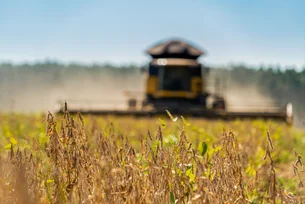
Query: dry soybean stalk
x,y
272,179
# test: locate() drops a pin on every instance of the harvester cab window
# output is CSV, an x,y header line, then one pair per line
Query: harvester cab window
x,y
153,70
175,79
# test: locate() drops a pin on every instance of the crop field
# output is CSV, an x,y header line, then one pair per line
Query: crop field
x,y
167,159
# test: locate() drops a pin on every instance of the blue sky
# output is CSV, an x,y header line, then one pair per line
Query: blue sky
x,y
270,32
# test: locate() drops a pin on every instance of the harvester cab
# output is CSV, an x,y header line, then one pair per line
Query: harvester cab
x,y
176,80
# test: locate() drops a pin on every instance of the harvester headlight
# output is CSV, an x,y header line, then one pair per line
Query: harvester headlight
x,y
162,62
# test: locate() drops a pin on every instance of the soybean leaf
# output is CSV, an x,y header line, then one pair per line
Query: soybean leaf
x,y
13,141
203,147
8,146
172,198
50,181
171,116
162,122
184,122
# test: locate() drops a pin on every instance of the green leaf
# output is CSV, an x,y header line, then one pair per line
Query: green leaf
x,y
8,146
50,181
184,122
162,122
13,141
189,173
203,147
171,198
171,116
43,138
7,131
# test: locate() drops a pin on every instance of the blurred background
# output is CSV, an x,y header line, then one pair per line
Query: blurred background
x,y
93,50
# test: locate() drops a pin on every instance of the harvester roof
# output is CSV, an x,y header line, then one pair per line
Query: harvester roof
x,y
174,49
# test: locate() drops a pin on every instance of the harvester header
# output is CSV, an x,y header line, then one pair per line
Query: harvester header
x,y
176,81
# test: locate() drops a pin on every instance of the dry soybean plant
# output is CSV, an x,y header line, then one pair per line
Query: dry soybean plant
x,y
103,167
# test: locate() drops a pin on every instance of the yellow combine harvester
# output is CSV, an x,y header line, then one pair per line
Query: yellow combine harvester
x,y
176,81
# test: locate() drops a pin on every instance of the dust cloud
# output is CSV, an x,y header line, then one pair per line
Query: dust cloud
x,y
30,90
245,93
239,95
40,91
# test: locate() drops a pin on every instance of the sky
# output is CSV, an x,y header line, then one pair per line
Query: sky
x,y
260,32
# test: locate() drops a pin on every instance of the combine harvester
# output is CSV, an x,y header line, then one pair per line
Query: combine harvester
x,y
176,81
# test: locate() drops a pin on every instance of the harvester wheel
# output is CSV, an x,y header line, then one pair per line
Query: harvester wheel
x,y
132,103
144,104
219,104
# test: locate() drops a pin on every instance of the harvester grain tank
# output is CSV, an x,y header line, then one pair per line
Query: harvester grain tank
x,y
176,81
